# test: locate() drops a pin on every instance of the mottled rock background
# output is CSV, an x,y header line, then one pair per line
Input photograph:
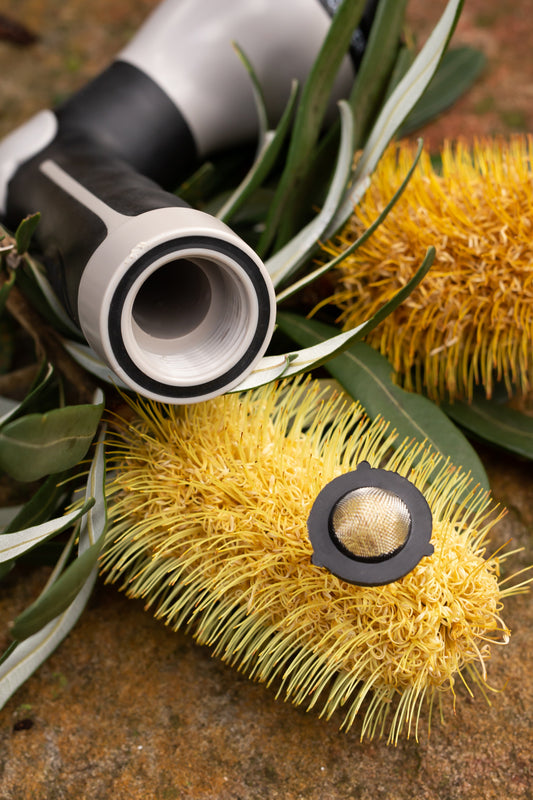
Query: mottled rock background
x,y
127,710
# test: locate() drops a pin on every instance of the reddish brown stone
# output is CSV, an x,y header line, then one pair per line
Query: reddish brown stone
x,y
126,709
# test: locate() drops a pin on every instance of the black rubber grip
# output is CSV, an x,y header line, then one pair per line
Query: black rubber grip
x,y
69,232
122,139
128,114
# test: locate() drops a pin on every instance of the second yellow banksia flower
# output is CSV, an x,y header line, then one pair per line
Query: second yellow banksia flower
x,y
470,320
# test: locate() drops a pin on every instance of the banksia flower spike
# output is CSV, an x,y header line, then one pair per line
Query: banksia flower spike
x,y
208,512
469,322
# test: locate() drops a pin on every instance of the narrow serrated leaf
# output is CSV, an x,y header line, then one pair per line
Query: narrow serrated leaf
x,y
265,160
377,65
94,523
269,369
58,596
409,90
41,381
259,98
456,73
310,113
14,544
404,60
287,260
24,658
25,231
397,107
318,354
317,273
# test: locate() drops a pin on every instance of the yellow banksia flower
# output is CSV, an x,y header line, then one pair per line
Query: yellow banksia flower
x,y
470,321
208,511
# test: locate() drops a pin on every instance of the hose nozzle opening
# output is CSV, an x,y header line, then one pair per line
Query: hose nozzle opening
x,y
178,305
188,318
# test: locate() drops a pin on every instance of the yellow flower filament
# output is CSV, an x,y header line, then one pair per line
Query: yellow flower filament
x,y
208,525
470,321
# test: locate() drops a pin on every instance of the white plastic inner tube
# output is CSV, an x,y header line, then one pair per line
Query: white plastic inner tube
x,y
187,318
181,318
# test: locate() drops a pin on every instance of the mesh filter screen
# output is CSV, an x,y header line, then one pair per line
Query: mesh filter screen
x,y
371,522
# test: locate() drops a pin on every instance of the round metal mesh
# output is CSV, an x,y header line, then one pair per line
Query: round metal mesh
x,y
371,522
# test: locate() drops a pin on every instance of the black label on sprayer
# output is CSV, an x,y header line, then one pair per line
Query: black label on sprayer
x,y
360,35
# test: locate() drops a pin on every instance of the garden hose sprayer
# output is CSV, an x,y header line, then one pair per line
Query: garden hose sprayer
x,y
178,306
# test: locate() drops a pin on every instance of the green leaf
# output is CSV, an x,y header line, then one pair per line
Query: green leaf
x,y
317,273
287,260
269,369
457,72
34,284
377,65
409,90
45,554
39,444
318,354
252,213
404,60
198,186
7,652
397,107
39,507
309,116
41,381
257,90
14,544
7,515
263,163
367,376
24,658
56,598
25,231
94,524
495,423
